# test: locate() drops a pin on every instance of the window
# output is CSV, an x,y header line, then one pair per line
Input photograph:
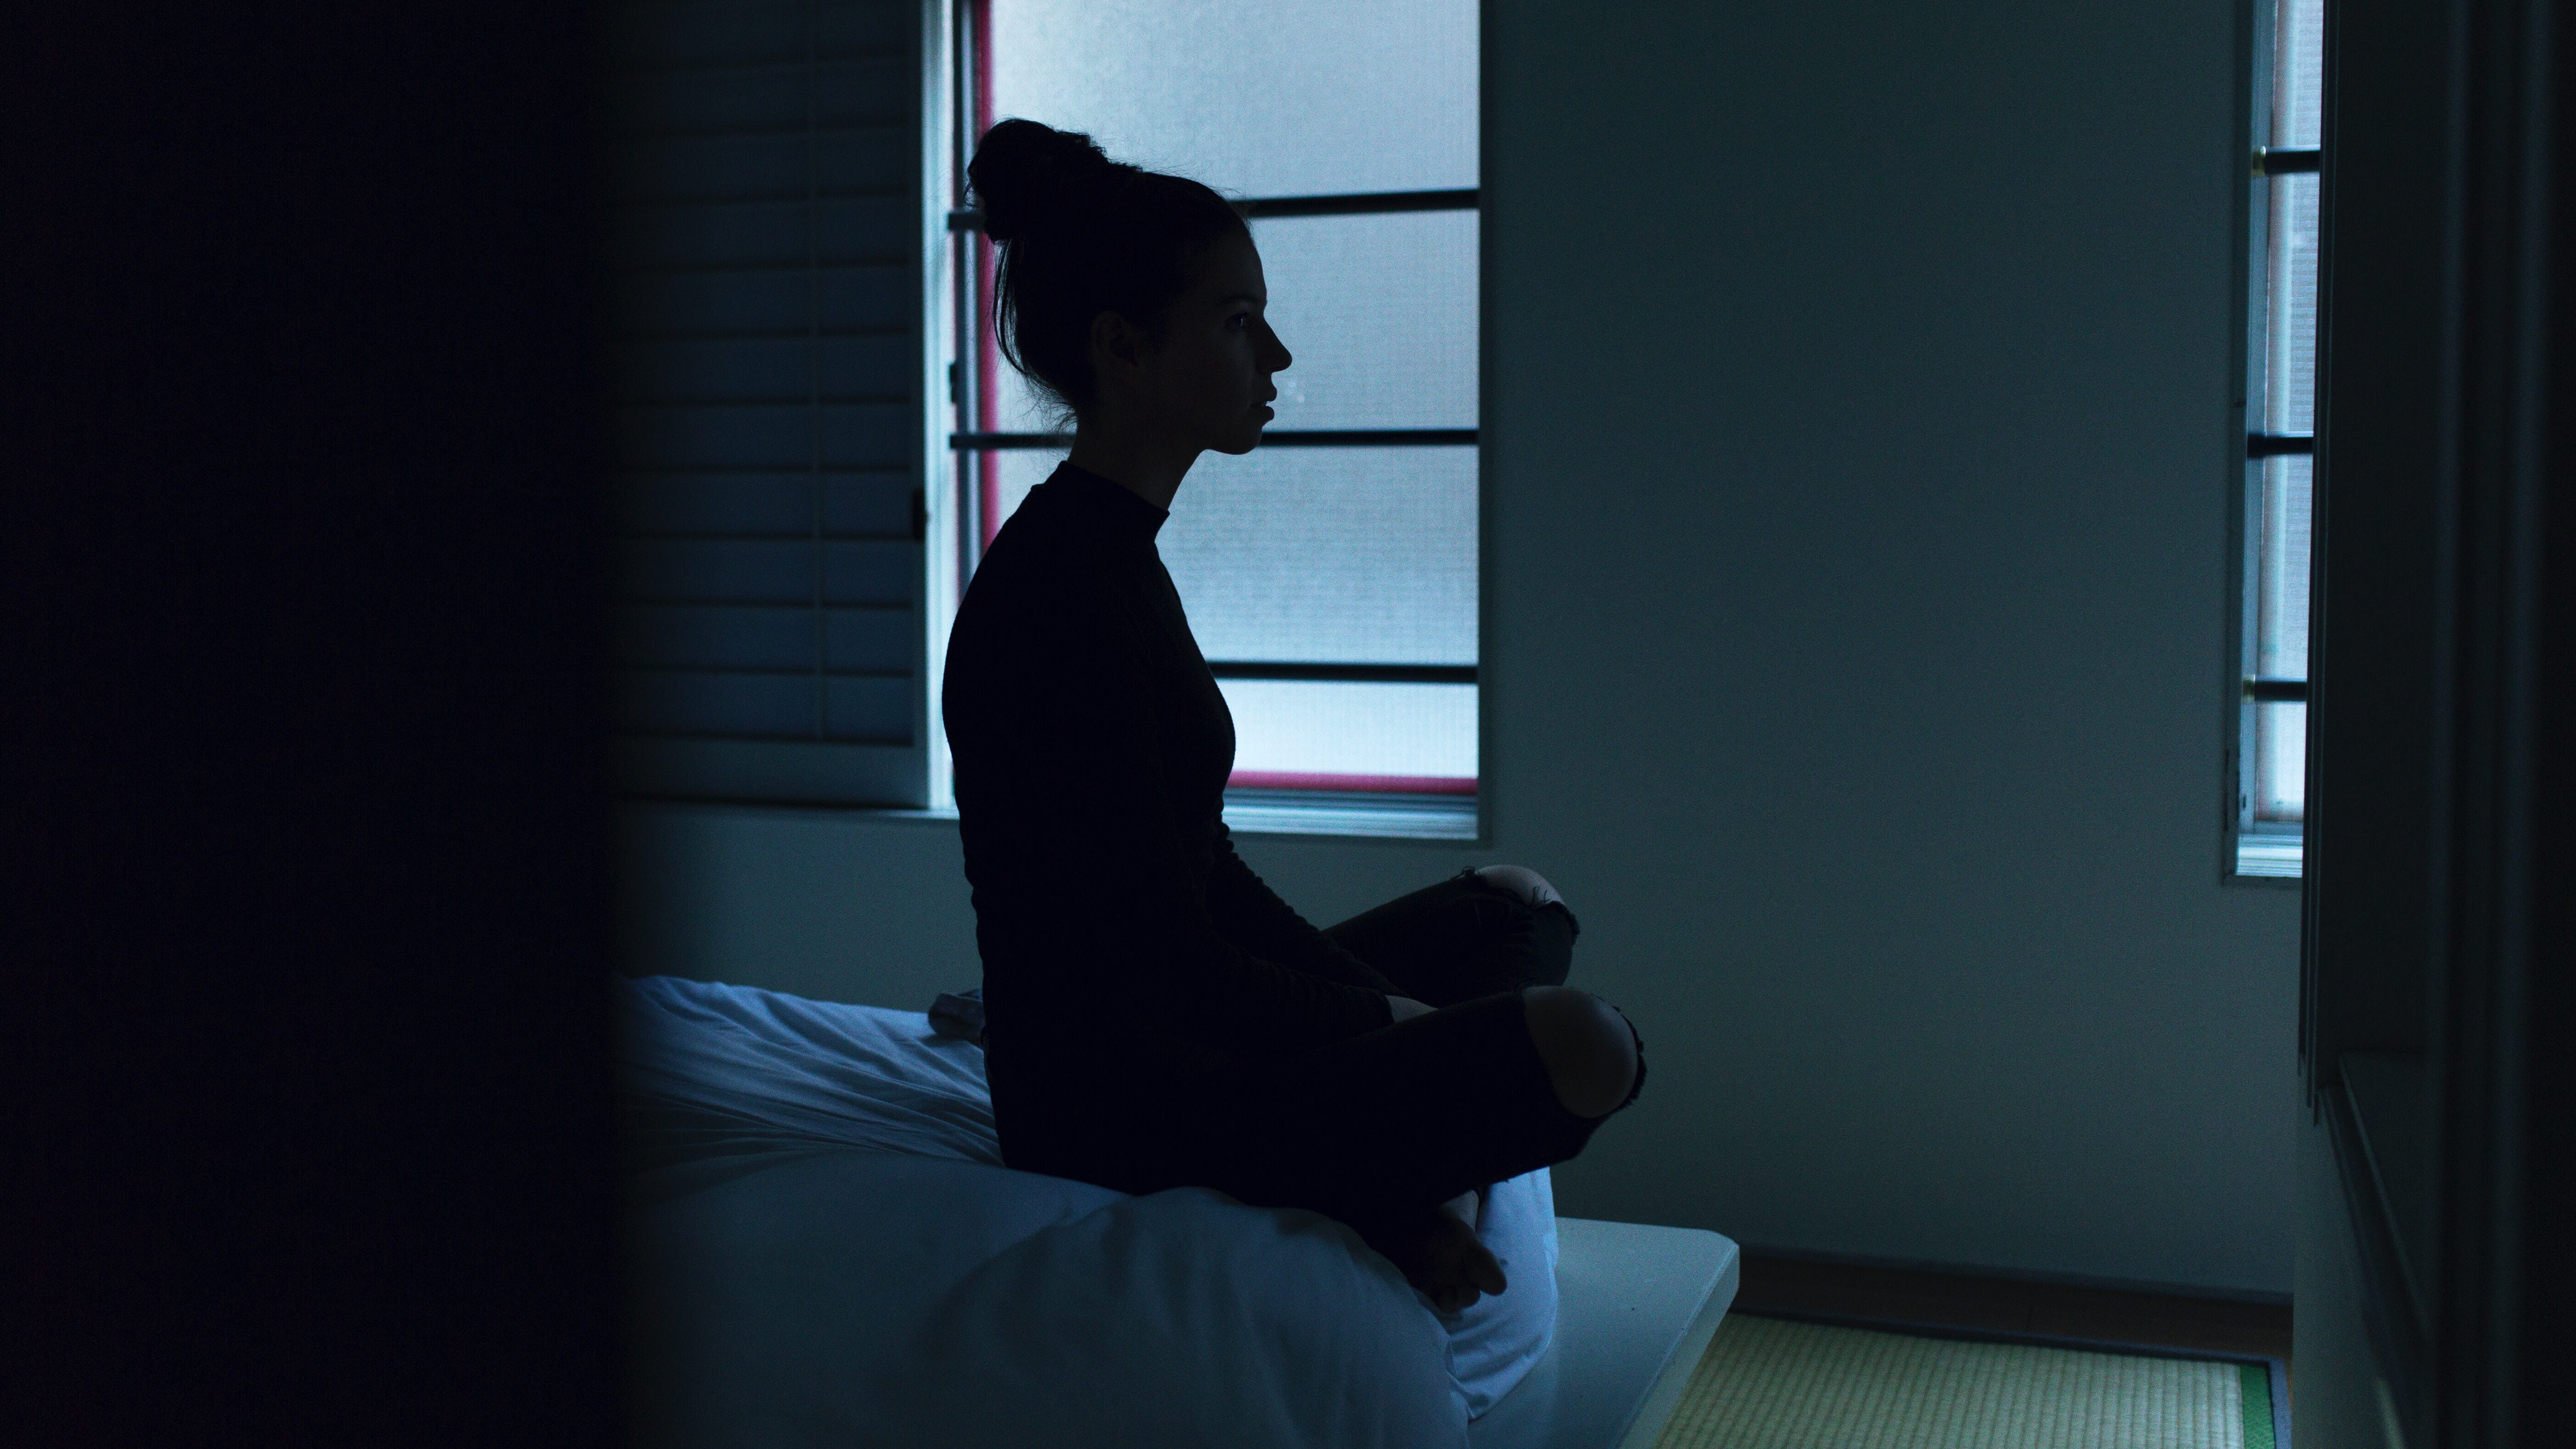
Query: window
x,y
816,437
2280,414
1330,575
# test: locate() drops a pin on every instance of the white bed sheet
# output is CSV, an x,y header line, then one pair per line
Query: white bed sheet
x,y
736,1068
828,1251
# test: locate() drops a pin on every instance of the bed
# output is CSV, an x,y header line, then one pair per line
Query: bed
x,y
825,1249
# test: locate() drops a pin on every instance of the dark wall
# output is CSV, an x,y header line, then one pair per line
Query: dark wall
x,y
2433,1263
306,877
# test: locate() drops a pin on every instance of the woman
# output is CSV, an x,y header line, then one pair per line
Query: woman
x,y
1156,1017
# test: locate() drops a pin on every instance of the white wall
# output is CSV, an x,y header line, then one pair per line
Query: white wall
x,y
1857,399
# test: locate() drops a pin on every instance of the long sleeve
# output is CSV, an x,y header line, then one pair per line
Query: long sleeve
x,y
1252,915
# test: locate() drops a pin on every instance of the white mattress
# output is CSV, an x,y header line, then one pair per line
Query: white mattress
x,y
1637,1307
828,1251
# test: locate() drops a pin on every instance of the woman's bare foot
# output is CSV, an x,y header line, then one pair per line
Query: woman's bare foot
x,y
1439,1254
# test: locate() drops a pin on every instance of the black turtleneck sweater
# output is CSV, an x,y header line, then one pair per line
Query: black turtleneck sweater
x,y
1125,944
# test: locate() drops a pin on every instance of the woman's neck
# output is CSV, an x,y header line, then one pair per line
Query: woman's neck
x,y
1136,459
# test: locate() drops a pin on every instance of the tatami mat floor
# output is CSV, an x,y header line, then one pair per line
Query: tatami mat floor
x,y
1771,1383
1793,1382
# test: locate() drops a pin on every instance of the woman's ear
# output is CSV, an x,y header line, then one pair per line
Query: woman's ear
x,y
1117,346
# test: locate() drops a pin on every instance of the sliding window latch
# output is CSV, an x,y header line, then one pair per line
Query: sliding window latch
x,y
2276,691
2285,160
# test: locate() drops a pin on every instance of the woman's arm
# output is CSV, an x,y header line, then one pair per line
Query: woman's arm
x,y
1246,911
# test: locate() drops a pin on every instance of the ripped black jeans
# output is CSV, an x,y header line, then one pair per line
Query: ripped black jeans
x,y
1394,1121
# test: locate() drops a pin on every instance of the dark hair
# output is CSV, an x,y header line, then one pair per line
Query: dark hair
x,y
1080,235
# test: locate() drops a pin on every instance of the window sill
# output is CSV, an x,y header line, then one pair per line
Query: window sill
x,y
1385,817
2270,857
1247,812
831,809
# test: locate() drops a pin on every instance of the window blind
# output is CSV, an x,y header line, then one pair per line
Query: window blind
x,y
765,221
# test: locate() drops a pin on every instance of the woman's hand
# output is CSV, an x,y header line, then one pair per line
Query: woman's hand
x,y
1438,1253
1403,1008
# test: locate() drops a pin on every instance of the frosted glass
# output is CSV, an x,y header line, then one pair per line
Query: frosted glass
x,y
1297,727
1018,406
1016,472
2281,646
1288,98
2278,784
1329,555
2290,283
2280,761
1379,313
1315,555
2290,360
2298,74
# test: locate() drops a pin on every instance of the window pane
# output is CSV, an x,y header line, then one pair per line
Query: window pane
x,y
1314,555
2281,761
1329,555
2281,644
2298,74
1015,472
1356,736
1380,314
1288,98
2290,361
1018,406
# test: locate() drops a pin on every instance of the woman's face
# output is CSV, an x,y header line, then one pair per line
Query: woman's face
x,y
1207,379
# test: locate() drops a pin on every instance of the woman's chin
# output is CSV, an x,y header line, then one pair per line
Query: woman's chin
x,y
1240,443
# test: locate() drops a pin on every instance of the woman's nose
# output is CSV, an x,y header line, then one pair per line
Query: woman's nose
x,y
1280,357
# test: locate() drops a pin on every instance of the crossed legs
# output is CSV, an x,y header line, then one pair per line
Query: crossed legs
x,y
1589,1051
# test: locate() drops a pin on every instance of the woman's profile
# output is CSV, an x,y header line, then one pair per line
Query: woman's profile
x,y
1157,1016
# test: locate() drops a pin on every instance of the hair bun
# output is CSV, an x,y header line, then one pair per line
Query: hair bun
x,y
1025,171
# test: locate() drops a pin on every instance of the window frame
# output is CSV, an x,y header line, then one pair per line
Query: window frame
x,y
2255,850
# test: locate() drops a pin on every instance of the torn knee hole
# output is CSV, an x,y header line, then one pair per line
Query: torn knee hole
x,y
1528,885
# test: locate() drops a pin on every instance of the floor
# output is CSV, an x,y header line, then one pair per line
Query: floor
x,y
1960,1301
